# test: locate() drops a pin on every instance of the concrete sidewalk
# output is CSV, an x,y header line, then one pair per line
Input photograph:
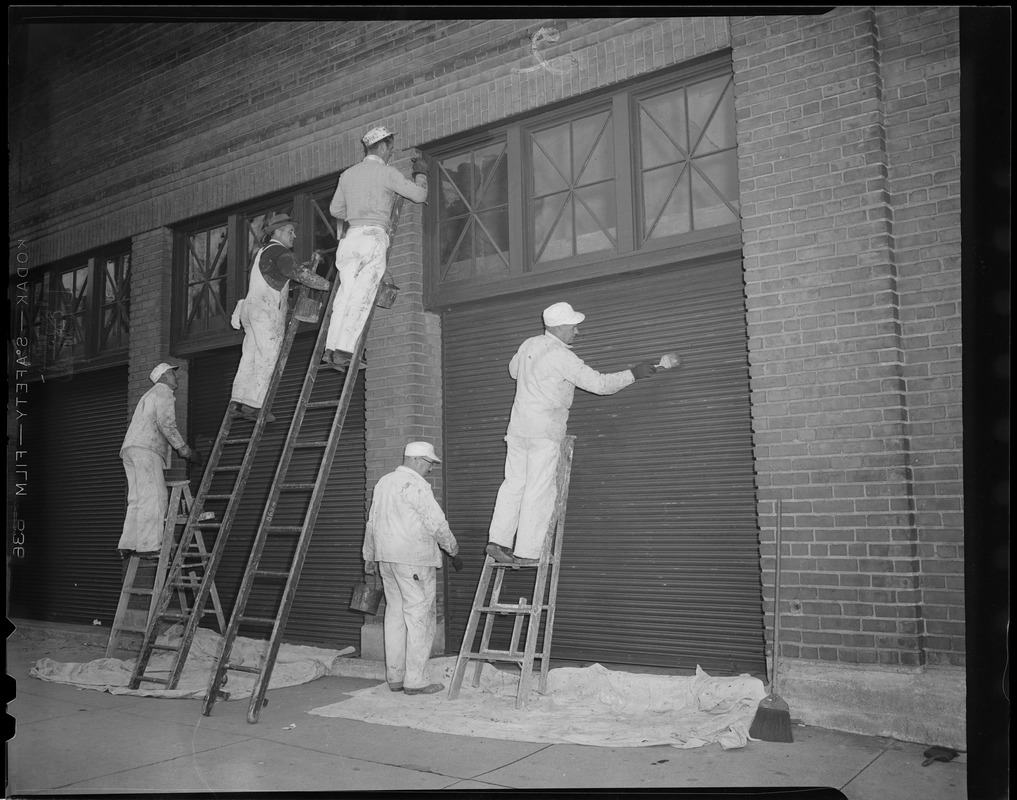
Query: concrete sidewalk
x,y
73,741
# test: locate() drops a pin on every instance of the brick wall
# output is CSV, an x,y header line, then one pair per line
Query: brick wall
x,y
848,145
151,295
921,80
843,307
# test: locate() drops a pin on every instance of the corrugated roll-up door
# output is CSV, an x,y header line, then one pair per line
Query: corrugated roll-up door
x,y
74,498
320,613
661,558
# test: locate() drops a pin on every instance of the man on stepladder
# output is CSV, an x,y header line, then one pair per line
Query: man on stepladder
x,y
547,373
405,529
364,198
146,453
262,313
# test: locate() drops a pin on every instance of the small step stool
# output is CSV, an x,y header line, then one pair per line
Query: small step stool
x,y
549,561
153,568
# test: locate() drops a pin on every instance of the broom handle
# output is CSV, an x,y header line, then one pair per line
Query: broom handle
x,y
776,603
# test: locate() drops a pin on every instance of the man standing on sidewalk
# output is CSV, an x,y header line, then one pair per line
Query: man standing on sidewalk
x,y
405,528
364,198
146,453
547,373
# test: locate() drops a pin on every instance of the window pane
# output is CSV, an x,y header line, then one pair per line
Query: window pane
x,y
325,236
711,109
206,291
682,191
715,190
666,202
551,171
115,318
491,239
596,213
457,258
552,224
662,129
473,236
493,169
593,154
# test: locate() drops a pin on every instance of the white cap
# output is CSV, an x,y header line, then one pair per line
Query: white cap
x,y
159,371
376,135
421,450
562,314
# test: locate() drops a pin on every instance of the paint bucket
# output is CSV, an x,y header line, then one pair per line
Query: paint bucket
x,y
387,293
307,309
366,598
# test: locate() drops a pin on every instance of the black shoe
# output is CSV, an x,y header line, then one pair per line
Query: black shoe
x,y
500,554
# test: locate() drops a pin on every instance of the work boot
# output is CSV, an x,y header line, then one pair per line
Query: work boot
x,y
500,554
433,688
525,562
396,687
251,413
337,359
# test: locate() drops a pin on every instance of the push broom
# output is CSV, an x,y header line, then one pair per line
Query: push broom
x,y
772,722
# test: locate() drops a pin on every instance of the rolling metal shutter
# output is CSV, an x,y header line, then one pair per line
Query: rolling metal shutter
x,y
660,557
320,613
75,498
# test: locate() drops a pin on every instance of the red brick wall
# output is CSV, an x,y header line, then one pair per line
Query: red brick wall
x,y
853,321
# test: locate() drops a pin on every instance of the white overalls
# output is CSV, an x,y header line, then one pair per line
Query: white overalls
x,y
263,316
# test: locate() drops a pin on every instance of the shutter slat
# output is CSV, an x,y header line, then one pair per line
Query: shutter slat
x,y
661,557
320,614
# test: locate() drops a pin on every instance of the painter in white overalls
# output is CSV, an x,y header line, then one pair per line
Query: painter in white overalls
x,y
364,197
263,312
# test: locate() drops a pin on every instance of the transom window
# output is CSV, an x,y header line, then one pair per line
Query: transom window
x,y
617,181
77,312
213,257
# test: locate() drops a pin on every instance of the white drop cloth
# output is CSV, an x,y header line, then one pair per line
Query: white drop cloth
x,y
591,706
294,664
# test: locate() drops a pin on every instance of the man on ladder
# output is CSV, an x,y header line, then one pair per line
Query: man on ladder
x,y
547,373
150,438
263,313
364,197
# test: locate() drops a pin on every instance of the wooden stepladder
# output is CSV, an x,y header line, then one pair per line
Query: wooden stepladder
x,y
222,487
305,437
545,591
132,623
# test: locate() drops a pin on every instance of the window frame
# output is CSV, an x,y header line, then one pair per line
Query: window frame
x,y
50,277
630,254
301,199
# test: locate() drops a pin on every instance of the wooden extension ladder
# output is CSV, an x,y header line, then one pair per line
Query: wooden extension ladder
x,y
132,623
222,485
544,593
284,483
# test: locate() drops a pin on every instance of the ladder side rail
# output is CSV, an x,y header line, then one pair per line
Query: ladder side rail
x,y
310,518
225,525
261,536
568,450
233,504
317,495
471,629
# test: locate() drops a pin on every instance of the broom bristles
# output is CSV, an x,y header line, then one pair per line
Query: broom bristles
x,y
772,722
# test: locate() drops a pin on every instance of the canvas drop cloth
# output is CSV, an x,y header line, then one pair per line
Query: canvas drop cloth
x,y
590,705
294,664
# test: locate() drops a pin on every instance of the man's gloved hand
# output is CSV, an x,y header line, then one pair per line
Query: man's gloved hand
x,y
457,562
644,370
371,567
420,167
